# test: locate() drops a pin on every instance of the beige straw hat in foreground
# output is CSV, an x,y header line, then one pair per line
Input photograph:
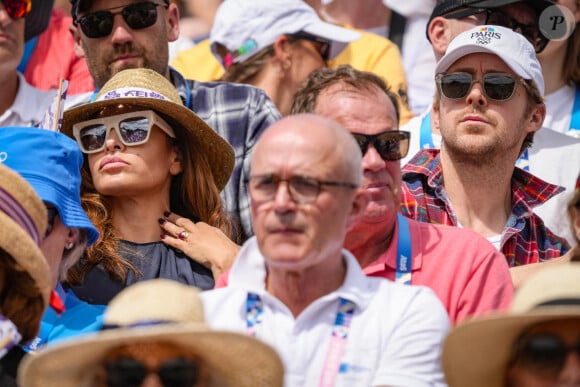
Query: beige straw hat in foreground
x,y
476,353
22,225
234,359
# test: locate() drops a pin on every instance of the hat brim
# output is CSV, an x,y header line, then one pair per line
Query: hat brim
x,y
70,212
476,352
192,131
239,359
538,5
338,36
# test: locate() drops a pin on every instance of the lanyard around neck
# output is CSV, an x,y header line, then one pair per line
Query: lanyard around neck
x,y
425,135
337,347
404,259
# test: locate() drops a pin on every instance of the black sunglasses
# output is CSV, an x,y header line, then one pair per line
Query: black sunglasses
x,y
129,372
543,354
137,16
391,145
496,86
323,44
52,212
498,18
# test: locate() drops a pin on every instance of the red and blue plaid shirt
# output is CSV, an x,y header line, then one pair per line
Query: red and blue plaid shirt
x,y
524,240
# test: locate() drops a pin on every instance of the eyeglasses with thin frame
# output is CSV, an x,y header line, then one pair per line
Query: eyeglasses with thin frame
x,y
302,189
323,45
100,24
496,86
543,354
52,212
132,129
391,145
17,9
496,17
130,372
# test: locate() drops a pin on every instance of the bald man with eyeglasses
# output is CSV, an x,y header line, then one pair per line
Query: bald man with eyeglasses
x,y
296,288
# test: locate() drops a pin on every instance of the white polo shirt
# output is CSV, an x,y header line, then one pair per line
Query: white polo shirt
x,y
394,338
29,105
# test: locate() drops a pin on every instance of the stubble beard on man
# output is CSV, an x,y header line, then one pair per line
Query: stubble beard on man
x,y
485,152
102,67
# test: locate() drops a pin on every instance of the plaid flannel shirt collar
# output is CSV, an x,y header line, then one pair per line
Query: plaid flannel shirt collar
x,y
528,191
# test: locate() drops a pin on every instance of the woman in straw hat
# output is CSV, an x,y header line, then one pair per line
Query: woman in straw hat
x,y
537,343
151,184
25,285
154,334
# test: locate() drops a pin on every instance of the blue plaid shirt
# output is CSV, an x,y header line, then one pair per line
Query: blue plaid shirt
x,y
238,113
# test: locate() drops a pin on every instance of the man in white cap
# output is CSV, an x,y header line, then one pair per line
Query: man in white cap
x,y
488,106
552,157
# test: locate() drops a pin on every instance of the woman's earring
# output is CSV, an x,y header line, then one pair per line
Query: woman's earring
x,y
69,246
286,64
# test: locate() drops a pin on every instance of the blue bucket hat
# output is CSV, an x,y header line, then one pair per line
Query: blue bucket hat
x,y
51,163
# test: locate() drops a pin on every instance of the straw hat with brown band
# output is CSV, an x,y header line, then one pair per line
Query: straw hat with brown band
x,y
476,353
234,359
22,224
149,89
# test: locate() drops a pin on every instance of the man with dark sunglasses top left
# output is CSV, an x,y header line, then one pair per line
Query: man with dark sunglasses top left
x,y
118,34
487,106
20,103
464,270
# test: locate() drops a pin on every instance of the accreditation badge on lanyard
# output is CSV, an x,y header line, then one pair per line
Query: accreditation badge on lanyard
x,y
339,335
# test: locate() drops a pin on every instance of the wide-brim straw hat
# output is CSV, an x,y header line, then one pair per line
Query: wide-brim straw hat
x,y
22,224
150,90
234,359
476,353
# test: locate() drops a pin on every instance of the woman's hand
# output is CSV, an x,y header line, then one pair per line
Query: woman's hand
x,y
201,242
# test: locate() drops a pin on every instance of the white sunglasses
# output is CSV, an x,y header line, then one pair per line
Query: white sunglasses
x,y
132,128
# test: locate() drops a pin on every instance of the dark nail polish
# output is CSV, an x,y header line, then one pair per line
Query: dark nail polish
x,y
166,214
162,236
161,221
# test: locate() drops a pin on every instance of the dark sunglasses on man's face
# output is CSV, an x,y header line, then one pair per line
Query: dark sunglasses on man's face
x,y
498,18
137,16
129,372
543,354
391,145
17,9
496,86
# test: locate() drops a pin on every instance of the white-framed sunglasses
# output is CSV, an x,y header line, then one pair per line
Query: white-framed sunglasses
x,y
132,128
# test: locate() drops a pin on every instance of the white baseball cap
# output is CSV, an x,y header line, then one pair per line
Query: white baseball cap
x,y
511,47
245,27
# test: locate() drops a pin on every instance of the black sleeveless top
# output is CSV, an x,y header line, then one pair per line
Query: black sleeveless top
x,y
152,260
